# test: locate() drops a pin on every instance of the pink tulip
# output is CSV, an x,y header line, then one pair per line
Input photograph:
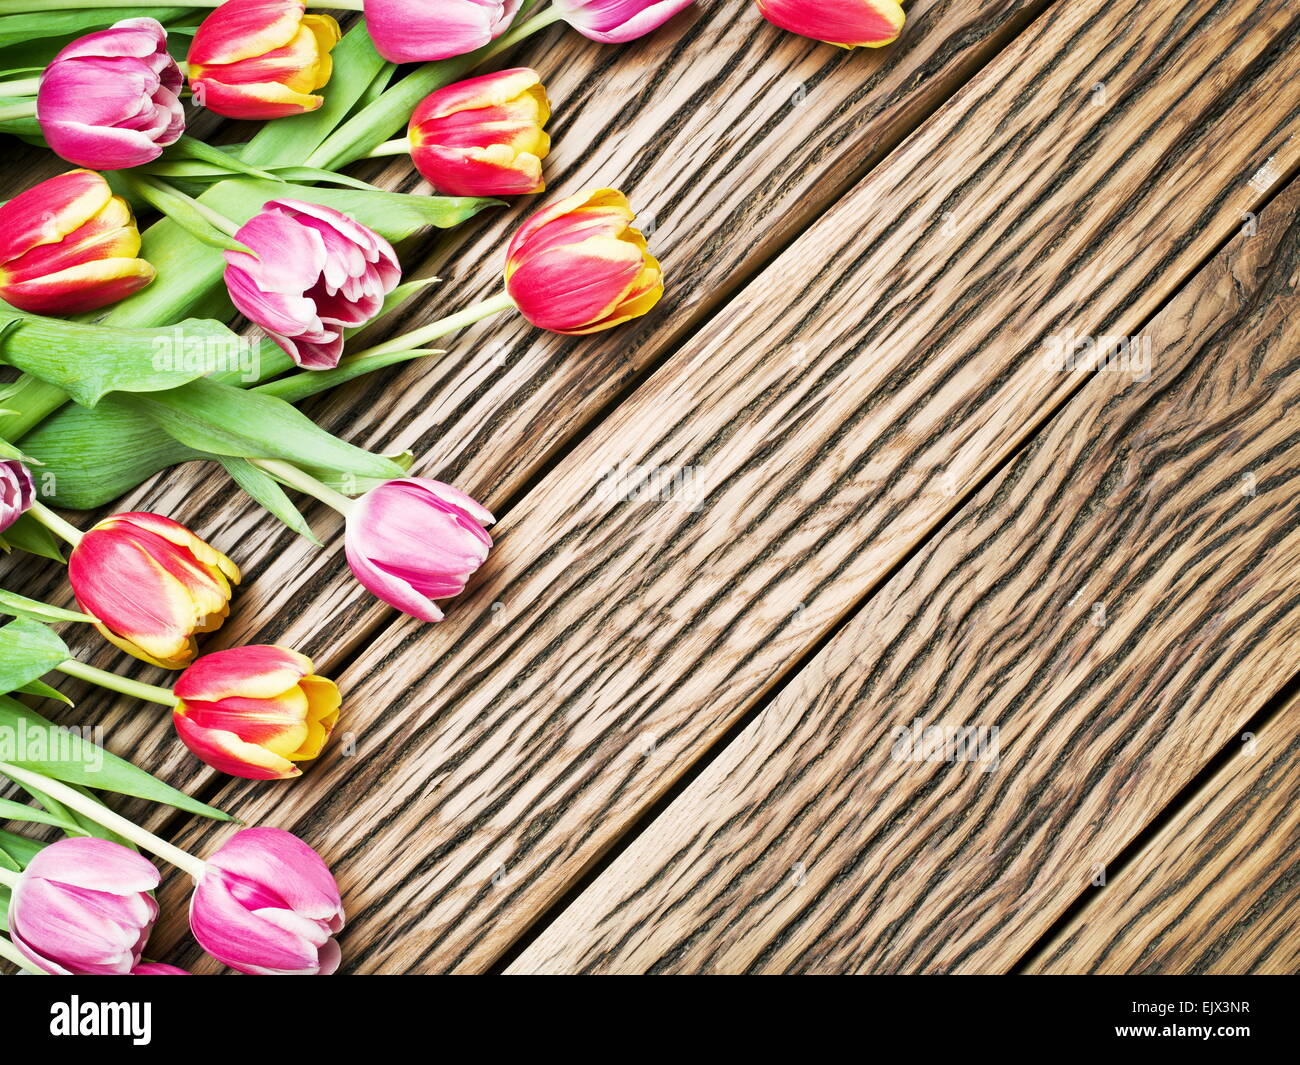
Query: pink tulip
x,y
82,907
111,99
16,492
157,968
847,23
316,273
415,31
268,905
414,540
618,21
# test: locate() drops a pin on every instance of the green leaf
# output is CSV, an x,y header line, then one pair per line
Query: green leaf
x,y
75,823
27,26
192,148
43,691
299,386
18,811
28,534
28,650
22,607
112,360
266,490
223,420
56,752
16,851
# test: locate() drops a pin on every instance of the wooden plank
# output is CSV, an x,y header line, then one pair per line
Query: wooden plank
x,y
828,412
1116,603
1216,889
730,132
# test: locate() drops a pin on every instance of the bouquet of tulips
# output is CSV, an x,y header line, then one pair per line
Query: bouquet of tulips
x,y
124,362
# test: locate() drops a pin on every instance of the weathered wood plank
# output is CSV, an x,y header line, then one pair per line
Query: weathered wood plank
x,y
828,413
1216,889
1116,603
732,134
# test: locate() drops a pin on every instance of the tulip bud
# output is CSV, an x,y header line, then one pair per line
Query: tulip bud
x,y
111,99
69,245
415,31
151,584
618,21
484,136
413,540
82,908
157,968
261,59
316,273
847,23
268,905
255,711
579,267
16,492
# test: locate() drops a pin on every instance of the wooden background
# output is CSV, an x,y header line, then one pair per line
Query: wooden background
x,y
655,734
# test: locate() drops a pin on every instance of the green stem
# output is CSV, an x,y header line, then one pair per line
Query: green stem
x,y
18,109
56,525
8,878
10,953
421,337
398,146
306,483
198,219
118,683
20,86
102,815
518,33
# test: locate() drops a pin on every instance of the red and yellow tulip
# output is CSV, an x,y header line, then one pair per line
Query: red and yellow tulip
x,y
255,711
847,23
578,266
151,585
260,59
484,136
69,245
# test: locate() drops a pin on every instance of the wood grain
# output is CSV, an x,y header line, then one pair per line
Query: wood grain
x,y
1116,603
831,415
1216,890
729,133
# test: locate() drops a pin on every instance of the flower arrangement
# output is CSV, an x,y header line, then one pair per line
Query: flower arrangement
x,y
275,233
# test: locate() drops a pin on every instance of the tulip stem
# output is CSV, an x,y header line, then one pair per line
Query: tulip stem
x,y
25,108
398,146
117,682
62,529
525,29
102,815
306,483
8,878
20,86
11,953
421,337
198,219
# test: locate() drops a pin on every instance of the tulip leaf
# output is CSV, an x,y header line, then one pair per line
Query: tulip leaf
x,y
33,25
112,360
28,650
74,822
18,811
28,534
266,490
16,851
59,753
22,607
192,148
42,690
223,420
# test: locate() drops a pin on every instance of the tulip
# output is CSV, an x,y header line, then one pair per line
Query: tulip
x,y
151,584
414,31
484,136
847,23
69,245
266,904
261,59
617,21
316,273
16,492
82,907
413,540
255,711
579,267
157,968
111,99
